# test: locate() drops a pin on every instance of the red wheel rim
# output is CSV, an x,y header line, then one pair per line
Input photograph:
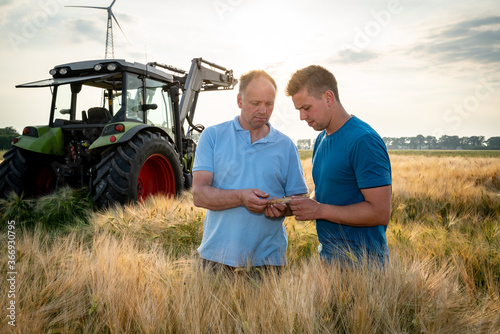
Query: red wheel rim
x,y
45,180
156,177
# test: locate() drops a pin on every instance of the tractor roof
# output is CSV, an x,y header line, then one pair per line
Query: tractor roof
x,y
113,65
70,72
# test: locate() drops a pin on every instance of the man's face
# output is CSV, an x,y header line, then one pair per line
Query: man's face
x,y
313,111
256,104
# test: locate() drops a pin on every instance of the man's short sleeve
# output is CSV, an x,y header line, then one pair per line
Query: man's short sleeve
x,y
370,162
204,158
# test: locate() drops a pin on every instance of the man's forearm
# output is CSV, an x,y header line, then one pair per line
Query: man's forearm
x,y
216,199
374,210
362,214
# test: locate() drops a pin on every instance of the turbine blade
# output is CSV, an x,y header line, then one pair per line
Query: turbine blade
x,y
112,4
88,7
113,15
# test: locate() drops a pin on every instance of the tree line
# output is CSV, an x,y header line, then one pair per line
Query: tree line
x,y
393,143
6,136
428,143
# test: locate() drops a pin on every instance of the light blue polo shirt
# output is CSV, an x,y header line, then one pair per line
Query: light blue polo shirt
x,y
237,236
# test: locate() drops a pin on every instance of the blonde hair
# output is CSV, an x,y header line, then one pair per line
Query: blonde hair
x,y
316,79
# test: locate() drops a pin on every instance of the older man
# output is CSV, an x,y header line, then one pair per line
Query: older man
x,y
239,166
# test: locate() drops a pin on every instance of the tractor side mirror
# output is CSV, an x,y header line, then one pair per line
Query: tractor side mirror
x,y
144,107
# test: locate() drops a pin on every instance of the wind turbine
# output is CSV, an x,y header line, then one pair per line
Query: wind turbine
x,y
110,48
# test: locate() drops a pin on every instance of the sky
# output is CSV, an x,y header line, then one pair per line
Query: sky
x,y
406,67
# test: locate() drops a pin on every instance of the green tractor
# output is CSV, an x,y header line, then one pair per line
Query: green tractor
x,y
116,128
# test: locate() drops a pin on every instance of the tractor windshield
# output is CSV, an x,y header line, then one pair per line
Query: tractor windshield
x,y
91,101
135,98
160,114
147,102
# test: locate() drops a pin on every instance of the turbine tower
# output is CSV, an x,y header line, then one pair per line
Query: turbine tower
x,y
110,48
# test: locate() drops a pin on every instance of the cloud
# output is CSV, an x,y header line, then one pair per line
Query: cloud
x,y
350,56
476,40
5,2
123,17
83,29
93,23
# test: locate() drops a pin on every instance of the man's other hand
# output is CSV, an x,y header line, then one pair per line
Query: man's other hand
x,y
254,200
304,208
275,210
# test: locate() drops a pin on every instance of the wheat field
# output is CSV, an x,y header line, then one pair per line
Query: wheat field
x,y
134,269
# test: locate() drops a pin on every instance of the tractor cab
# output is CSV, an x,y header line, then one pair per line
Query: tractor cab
x,y
88,95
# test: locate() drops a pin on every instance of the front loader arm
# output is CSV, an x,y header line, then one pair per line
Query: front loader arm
x,y
201,78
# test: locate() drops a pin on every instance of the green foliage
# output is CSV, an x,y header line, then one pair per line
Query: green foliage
x,y
302,240
445,142
493,143
445,212
65,207
8,131
305,154
6,136
176,225
16,208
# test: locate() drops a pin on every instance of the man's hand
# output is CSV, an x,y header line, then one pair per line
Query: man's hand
x,y
304,208
276,210
254,199
373,211
208,197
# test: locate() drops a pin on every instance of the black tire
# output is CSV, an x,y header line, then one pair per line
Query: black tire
x,y
27,173
118,174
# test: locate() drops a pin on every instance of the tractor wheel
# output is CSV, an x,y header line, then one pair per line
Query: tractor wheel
x,y
25,172
145,165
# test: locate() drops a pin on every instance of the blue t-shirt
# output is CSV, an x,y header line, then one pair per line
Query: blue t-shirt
x,y
350,159
238,236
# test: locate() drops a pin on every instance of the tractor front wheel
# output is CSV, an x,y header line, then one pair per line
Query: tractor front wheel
x,y
145,165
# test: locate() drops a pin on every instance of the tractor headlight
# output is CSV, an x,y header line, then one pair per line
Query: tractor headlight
x,y
63,71
53,71
111,67
97,67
